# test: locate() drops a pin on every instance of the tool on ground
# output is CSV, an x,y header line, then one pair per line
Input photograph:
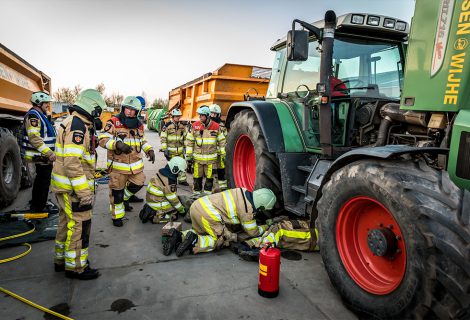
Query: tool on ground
x,y
22,234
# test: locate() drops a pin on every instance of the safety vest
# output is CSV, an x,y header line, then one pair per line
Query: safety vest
x,y
46,131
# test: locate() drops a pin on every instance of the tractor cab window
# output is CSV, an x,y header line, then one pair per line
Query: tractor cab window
x,y
276,73
368,68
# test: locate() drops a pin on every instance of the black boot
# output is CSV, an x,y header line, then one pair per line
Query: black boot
x,y
135,198
127,206
188,243
87,274
118,222
183,183
59,267
146,214
172,242
249,255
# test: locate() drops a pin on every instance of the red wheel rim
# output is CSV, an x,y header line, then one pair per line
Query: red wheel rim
x,y
244,163
378,275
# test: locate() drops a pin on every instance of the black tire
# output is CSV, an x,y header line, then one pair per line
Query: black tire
x,y
429,209
10,170
267,164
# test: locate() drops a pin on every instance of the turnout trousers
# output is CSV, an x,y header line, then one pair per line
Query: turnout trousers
x,y
73,233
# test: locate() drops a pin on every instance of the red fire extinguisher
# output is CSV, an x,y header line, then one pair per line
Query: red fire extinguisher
x,y
269,269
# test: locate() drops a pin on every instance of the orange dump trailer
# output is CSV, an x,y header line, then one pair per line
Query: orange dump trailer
x,y
227,84
18,80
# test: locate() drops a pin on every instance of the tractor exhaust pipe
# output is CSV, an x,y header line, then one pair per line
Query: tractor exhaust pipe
x,y
325,73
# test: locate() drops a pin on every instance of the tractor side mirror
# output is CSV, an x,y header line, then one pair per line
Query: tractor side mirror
x,y
297,45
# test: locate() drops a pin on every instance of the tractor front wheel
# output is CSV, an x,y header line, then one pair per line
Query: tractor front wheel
x,y
394,238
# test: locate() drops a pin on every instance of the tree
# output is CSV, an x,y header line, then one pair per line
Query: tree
x,y
65,95
101,88
114,100
160,103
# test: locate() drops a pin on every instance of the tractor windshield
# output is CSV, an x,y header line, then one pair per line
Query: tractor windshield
x,y
360,68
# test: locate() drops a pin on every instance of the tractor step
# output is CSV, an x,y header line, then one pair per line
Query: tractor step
x,y
307,169
297,208
300,189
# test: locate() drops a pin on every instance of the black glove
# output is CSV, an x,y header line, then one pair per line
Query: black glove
x,y
151,155
166,153
121,146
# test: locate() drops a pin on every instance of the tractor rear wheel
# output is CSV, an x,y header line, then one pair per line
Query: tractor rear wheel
x,y
394,238
249,163
10,170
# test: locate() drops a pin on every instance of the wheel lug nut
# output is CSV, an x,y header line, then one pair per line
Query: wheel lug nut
x,y
390,226
398,238
398,251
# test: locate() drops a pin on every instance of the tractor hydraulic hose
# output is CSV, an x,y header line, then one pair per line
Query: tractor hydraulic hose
x,y
14,295
382,135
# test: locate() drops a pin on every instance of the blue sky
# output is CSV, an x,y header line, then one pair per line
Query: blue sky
x,y
153,46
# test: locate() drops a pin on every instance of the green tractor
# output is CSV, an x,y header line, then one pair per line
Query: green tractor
x,y
375,151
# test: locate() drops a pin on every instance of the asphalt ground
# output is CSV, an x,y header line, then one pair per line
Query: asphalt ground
x,y
139,282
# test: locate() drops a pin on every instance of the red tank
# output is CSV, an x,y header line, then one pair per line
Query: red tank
x,y
269,269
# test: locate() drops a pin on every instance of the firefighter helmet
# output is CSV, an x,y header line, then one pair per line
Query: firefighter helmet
x,y
177,164
264,197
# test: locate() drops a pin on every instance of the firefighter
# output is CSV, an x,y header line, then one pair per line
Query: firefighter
x,y
161,198
124,138
172,141
215,217
73,184
215,116
204,143
39,137
134,198
284,234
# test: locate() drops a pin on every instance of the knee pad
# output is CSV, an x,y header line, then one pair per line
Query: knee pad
x,y
86,228
221,173
209,184
198,184
133,188
118,196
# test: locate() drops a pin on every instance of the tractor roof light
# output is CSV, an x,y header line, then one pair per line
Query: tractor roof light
x,y
400,26
357,19
389,23
373,20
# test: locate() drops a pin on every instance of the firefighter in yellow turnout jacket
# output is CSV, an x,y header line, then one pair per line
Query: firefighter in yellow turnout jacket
x,y
124,138
73,184
214,216
161,198
204,142
216,111
172,141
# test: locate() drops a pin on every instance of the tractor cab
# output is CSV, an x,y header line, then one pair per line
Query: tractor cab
x,y
366,72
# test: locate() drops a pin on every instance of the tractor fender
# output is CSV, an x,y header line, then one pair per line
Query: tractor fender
x,y
268,119
323,169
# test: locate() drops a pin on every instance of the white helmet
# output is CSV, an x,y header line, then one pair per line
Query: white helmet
x,y
177,164
215,108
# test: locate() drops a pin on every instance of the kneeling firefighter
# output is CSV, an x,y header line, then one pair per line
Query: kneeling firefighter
x,y
124,138
214,216
161,199
73,183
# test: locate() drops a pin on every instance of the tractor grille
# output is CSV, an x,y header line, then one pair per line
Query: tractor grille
x,y
463,165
